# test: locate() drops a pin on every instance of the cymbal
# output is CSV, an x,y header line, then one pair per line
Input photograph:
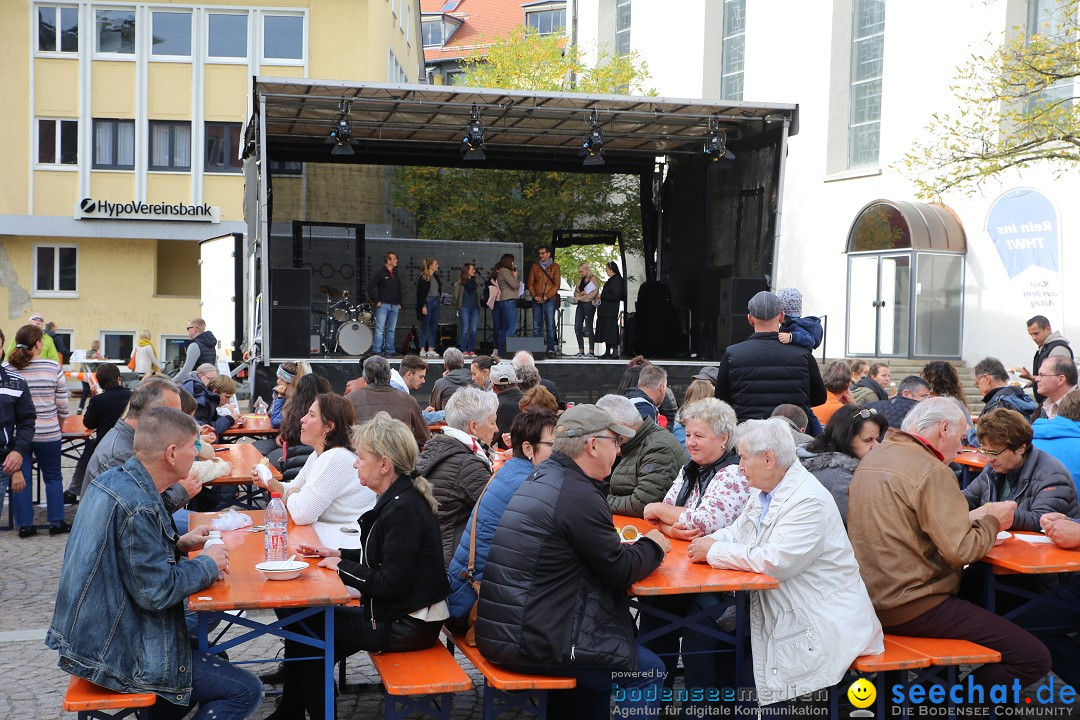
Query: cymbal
x,y
331,291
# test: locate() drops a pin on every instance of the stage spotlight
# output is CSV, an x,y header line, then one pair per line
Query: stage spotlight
x,y
592,147
716,143
340,137
472,145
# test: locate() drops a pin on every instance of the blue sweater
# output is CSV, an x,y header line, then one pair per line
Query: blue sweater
x,y
488,512
1060,438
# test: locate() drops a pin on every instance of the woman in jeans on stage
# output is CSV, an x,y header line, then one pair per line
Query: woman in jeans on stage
x,y
506,307
48,388
428,292
585,293
467,300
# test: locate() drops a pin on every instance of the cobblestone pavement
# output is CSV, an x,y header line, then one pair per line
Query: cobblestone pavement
x,y
33,685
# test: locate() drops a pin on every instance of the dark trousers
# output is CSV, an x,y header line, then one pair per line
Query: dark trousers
x,y
1063,610
1022,655
608,330
220,691
304,680
583,325
699,651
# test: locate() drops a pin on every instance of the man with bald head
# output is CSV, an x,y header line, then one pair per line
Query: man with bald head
x,y
127,563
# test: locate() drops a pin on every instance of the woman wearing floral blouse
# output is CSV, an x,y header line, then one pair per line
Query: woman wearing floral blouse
x,y
709,493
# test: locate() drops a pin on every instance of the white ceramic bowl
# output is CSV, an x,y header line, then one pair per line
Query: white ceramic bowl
x,y
281,569
1002,537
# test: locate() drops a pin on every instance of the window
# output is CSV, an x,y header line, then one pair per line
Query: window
x,y
455,77
432,32
114,144
56,270
223,147
171,34
286,167
394,72
115,31
283,37
867,55
622,27
58,142
170,145
117,344
63,339
50,18
547,22
1047,19
731,71
228,36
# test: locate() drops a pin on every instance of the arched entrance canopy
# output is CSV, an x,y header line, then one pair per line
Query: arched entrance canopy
x,y
884,225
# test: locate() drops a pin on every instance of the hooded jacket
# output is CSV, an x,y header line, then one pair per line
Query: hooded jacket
x,y
554,590
870,384
448,385
1040,485
650,461
909,525
833,470
1009,397
458,475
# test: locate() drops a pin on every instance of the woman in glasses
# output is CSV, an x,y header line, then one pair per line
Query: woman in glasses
x,y
1015,470
832,457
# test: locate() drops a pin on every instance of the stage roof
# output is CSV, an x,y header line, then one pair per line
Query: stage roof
x,y
424,124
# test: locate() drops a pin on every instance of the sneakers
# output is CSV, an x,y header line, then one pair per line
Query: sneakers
x,y
579,354
551,354
429,354
62,529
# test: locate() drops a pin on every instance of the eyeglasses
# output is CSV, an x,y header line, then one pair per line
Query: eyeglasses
x,y
867,413
1050,375
617,439
190,327
992,453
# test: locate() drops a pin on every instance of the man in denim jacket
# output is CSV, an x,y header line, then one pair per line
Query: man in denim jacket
x,y
119,617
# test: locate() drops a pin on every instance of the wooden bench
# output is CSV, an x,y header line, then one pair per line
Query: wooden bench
x,y
421,681
94,701
509,689
894,660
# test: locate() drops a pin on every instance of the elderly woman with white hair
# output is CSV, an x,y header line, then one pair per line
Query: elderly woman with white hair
x,y
456,461
805,633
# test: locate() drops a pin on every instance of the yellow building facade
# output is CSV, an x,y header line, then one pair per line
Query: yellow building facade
x,y
124,123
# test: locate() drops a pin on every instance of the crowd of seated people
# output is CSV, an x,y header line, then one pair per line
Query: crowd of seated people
x,y
865,527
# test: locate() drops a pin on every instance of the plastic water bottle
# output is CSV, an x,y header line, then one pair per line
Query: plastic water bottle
x,y
214,539
276,536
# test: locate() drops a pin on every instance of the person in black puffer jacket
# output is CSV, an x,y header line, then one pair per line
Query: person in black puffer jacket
x,y
911,391
761,373
455,461
399,576
553,600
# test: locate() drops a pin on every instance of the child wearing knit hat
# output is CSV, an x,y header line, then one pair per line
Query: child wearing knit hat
x,y
796,329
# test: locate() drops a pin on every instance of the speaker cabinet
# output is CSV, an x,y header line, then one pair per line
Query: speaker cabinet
x,y
731,329
735,294
535,345
290,332
290,288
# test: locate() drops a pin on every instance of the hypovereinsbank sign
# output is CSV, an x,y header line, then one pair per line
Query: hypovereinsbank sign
x,y
93,209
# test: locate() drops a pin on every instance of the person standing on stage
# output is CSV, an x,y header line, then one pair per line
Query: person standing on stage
x,y
608,314
545,277
428,294
506,307
386,294
467,294
586,294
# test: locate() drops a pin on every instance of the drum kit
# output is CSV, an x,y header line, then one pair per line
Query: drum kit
x,y
345,327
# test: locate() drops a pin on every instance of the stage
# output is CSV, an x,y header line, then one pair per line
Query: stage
x,y
579,380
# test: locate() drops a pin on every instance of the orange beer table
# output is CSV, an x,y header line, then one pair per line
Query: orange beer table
x,y
254,426
678,575
972,461
1015,556
74,435
242,457
317,591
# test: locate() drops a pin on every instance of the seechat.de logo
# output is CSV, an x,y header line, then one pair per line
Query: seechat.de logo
x,y
88,206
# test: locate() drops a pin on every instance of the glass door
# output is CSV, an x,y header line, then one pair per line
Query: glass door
x,y
879,305
939,304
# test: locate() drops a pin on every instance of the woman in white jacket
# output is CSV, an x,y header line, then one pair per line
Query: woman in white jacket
x,y
325,493
805,633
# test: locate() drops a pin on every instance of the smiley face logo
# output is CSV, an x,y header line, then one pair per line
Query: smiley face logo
x,y
862,693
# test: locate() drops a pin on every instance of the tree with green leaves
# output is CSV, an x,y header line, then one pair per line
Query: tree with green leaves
x,y
1017,108
527,205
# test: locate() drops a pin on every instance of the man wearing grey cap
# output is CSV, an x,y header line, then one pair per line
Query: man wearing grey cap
x,y
553,600
760,373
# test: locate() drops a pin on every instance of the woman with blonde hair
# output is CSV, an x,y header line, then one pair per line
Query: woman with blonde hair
x,y
428,292
399,577
144,356
586,293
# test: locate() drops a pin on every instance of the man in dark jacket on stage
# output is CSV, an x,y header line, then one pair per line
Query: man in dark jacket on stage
x,y
757,375
553,600
385,292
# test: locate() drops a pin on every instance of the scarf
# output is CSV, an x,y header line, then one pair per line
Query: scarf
x,y
696,477
468,441
143,342
546,263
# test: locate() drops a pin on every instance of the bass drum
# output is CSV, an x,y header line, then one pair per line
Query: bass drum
x,y
355,338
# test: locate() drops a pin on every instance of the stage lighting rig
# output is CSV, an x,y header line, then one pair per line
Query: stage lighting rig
x,y
341,138
716,143
592,147
472,145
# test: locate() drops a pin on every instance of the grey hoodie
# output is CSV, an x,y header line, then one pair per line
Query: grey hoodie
x,y
834,471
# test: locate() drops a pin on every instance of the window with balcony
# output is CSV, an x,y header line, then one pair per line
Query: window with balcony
x,y
114,144
170,145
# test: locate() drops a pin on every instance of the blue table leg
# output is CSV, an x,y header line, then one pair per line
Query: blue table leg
x,y
328,660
